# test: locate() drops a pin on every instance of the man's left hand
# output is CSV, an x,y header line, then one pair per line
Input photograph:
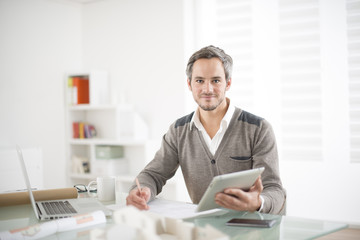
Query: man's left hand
x,y
240,200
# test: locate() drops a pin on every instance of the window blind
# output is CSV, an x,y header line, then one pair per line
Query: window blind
x,y
297,28
353,32
234,35
300,74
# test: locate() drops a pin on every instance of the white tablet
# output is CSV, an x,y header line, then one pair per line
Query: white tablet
x,y
244,180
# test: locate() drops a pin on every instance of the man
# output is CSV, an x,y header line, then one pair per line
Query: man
x,y
217,138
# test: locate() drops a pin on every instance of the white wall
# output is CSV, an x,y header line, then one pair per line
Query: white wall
x,y
140,44
39,41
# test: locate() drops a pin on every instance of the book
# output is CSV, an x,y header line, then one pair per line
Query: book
x,y
87,131
70,91
80,164
76,130
81,87
92,131
83,130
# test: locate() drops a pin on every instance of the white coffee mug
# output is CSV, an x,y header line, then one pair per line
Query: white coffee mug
x,y
105,188
121,191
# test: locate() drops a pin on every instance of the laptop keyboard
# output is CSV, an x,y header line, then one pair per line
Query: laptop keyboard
x,y
59,207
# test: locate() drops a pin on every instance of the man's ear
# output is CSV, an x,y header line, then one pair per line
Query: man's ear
x,y
228,84
189,83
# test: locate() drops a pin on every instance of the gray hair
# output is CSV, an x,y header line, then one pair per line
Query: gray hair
x,y
211,52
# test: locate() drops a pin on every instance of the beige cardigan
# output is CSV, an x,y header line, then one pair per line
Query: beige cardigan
x,y
249,142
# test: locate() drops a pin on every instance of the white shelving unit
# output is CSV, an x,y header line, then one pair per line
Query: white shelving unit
x,y
116,125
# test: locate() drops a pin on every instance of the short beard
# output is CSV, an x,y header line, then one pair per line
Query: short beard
x,y
210,108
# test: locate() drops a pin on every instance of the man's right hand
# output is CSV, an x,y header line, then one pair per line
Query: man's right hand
x,y
139,199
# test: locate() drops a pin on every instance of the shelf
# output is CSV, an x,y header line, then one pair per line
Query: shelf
x,y
115,124
98,141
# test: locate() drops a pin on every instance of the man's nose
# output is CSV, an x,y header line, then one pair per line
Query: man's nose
x,y
208,88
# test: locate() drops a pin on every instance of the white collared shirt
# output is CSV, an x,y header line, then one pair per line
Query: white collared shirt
x,y
214,143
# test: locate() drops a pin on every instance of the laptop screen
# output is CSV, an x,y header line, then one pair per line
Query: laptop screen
x,y
27,181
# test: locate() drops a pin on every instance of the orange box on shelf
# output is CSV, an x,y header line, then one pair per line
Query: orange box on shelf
x,y
82,87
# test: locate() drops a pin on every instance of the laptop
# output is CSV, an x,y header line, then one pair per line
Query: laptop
x,y
64,208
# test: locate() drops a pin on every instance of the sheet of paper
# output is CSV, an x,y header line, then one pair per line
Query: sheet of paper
x,y
179,210
51,227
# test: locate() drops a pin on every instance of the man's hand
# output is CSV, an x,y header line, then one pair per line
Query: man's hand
x,y
139,199
237,199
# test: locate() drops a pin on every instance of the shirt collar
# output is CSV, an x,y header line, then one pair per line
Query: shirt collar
x,y
195,120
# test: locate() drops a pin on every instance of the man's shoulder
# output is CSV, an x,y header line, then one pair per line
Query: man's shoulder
x,y
184,120
241,115
247,117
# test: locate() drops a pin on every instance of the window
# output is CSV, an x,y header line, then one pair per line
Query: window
x,y
300,74
280,67
353,32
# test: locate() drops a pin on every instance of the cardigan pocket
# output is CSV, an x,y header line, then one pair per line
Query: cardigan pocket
x,y
242,158
238,163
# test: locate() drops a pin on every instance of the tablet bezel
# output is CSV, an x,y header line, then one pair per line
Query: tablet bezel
x,y
243,179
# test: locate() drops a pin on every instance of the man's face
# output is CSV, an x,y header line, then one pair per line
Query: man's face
x,y
208,84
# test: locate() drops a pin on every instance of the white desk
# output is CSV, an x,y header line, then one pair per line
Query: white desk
x,y
15,217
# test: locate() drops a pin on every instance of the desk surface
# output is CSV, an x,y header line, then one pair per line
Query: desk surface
x,y
293,228
286,227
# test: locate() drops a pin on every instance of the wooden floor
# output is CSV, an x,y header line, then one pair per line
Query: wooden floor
x,y
346,234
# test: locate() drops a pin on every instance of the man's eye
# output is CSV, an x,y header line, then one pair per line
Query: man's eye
x,y
199,81
216,81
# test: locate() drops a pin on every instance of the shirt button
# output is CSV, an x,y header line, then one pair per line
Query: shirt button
x,y
213,161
